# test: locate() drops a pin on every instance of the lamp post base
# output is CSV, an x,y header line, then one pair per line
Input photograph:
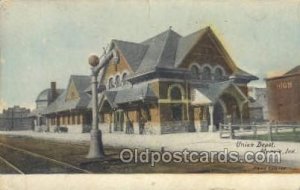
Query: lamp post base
x,y
96,146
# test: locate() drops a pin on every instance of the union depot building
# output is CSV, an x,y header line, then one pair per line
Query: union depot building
x,y
171,83
166,84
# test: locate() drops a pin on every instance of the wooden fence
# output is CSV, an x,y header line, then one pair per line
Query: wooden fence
x,y
230,130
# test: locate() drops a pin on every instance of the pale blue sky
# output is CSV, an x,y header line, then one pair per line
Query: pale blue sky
x,y
43,41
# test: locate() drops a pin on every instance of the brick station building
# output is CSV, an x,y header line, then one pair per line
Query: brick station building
x,y
64,110
71,110
283,94
171,83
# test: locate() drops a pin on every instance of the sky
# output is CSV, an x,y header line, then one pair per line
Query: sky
x,y
43,41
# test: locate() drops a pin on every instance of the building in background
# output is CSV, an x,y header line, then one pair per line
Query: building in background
x,y
255,111
171,83
258,105
16,118
43,100
71,110
283,93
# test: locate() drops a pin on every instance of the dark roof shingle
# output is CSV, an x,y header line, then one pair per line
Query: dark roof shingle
x,y
133,52
81,82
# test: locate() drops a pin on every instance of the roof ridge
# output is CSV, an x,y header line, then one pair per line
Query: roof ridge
x,y
294,70
159,34
164,47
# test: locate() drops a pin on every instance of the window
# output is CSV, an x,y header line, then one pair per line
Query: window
x,y
176,107
218,74
124,77
110,83
195,72
177,112
175,94
206,73
118,81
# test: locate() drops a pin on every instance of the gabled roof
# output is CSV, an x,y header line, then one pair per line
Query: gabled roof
x,y
168,50
81,82
137,92
186,44
295,70
215,90
109,96
161,51
243,74
211,93
133,52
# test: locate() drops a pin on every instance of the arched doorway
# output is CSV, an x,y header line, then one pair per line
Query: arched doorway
x,y
232,107
218,114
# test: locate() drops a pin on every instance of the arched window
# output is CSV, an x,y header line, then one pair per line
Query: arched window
x,y
206,73
195,72
110,83
175,94
118,81
124,78
218,74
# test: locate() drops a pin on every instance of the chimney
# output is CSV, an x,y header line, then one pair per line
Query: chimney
x,y
53,91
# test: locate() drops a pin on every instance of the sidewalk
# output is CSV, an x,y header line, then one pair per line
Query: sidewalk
x,y
172,142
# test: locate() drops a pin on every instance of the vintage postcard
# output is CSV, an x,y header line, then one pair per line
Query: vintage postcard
x,y
209,90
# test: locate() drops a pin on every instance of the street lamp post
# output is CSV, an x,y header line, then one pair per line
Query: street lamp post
x,y
96,146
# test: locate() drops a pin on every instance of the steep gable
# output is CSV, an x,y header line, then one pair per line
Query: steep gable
x,y
74,97
132,52
203,47
72,92
186,44
77,86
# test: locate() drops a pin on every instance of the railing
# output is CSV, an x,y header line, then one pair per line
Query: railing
x,y
230,130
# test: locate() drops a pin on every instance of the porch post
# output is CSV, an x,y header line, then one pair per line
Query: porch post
x,y
241,107
211,111
38,120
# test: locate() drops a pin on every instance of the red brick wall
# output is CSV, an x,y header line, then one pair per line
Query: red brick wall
x,y
284,98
